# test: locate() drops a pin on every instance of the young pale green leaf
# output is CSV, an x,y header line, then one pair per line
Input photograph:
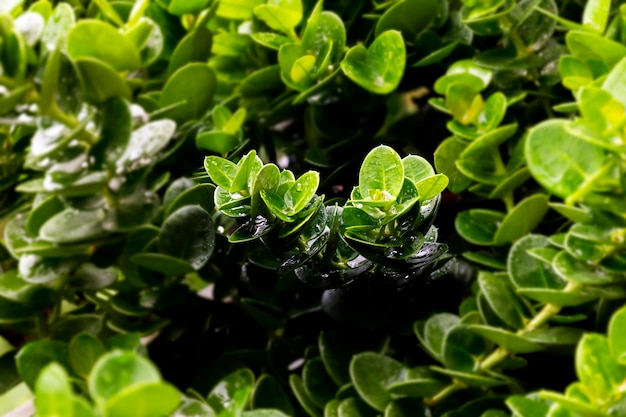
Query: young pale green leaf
x,y
464,103
301,192
231,394
221,170
247,170
378,69
280,15
381,175
189,234
617,336
270,40
591,46
190,91
417,168
527,406
117,371
100,40
181,7
154,399
599,373
84,351
237,9
596,14
54,396
562,173
372,373
430,187
522,219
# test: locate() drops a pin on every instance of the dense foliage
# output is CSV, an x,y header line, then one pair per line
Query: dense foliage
x,y
229,208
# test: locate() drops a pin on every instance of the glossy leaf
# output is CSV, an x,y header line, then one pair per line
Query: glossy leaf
x,y
84,351
372,373
381,175
118,371
190,91
153,399
378,69
54,392
231,394
99,40
280,15
502,299
34,357
522,219
617,341
528,272
478,226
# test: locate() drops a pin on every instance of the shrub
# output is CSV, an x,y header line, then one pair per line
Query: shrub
x,y
228,208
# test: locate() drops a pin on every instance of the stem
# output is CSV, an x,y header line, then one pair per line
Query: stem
x,y
455,386
500,354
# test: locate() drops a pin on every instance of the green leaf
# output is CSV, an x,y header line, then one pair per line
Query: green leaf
x,y
270,40
189,234
596,369
72,226
505,339
462,349
576,271
58,25
200,195
237,9
118,371
268,393
221,170
590,46
54,396
411,17
446,156
527,406
417,168
617,336
100,40
194,47
144,145
100,81
181,7
354,407
406,407
562,173
555,336
615,85
336,357
191,89
378,69
280,15
263,413
300,193
84,351
502,299
317,382
34,357
434,332
381,175
557,297
372,373
528,272
247,170
303,397
472,380
478,226
231,394
155,399
522,219
430,187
